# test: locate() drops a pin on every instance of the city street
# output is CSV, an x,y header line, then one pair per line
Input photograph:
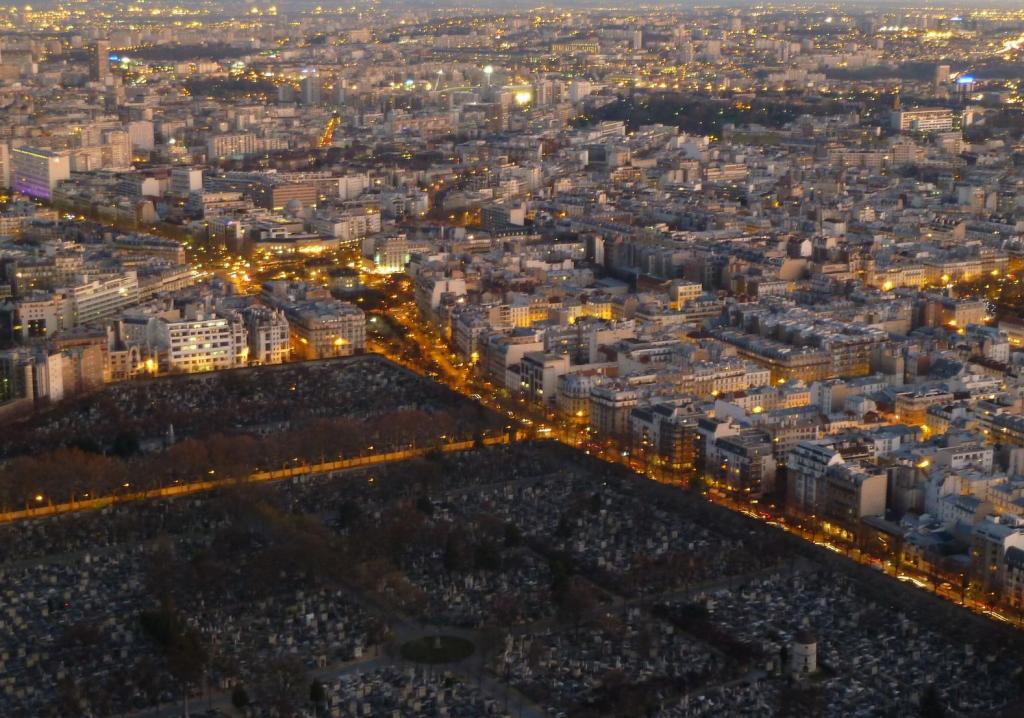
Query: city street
x,y
439,364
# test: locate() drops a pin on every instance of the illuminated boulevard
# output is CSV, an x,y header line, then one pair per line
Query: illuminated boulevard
x,y
328,468
419,347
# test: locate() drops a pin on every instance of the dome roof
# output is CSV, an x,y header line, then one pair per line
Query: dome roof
x,y
805,637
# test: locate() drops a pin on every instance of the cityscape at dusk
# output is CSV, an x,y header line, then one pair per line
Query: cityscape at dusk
x,y
409,358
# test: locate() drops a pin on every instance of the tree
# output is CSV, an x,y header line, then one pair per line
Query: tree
x,y
163,577
317,696
188,459
282,686
348,513
86,444
576,603
69,696
182,646
125,444
456,552
486,556
513,536
424,506
239,698
186,657
698,483
930,705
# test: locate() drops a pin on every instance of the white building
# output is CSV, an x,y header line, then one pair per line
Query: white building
x,y
36,172
102,297
267,335
539,373
227,145
390,254
185,180
40,315
326,328
923,120
206,343
347,226
141,134
806,464
5,165
30,374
